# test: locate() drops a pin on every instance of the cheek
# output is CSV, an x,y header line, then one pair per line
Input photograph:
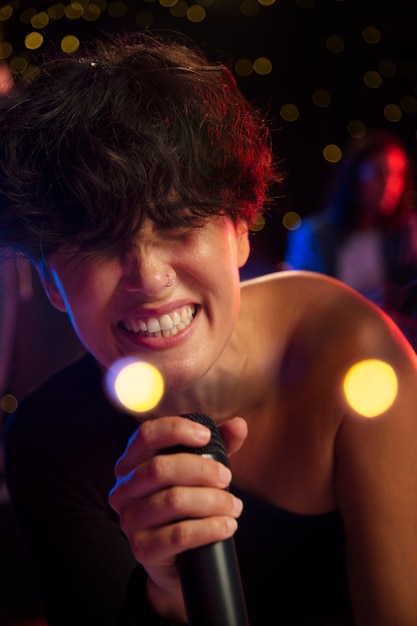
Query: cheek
x,y
85,295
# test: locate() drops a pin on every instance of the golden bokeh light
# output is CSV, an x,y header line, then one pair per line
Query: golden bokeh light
x,y
179,9
18,65
26,16
335,44
56,11
8,403
135,385
6,13
91,13
262,66
356,129
70,43
249,8
34,40
291,220
196,13
370,387
259,224
371,35
322,98
332,153
40,20
74,10
6,49
289,112
392,112
243,67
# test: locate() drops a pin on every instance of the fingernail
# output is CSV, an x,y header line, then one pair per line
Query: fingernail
x,y
201,432
231,524
225,475
237,505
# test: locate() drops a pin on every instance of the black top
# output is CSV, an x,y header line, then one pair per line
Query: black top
x,y
60,450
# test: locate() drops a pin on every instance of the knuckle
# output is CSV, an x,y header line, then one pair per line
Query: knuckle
x,y
146,435
157,468
141,546
180,536
174,500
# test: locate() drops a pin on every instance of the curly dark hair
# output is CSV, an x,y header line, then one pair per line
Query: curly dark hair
x,y
134,127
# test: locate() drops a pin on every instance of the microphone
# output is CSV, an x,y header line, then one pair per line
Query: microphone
x,y
210,575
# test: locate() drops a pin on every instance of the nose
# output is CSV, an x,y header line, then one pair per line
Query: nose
x,y
147,273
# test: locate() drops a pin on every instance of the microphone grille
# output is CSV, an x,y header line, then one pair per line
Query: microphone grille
x,y
216,445
215,448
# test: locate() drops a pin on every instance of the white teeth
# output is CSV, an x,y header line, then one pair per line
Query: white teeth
x,y
163,326
153,325
166,322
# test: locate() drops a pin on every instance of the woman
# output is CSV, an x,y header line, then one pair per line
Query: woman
x,y
130,175
366,235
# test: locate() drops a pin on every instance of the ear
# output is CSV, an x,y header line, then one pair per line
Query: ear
x,y
50,286
243,246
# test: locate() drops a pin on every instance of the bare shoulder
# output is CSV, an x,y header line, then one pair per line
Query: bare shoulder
x,y
316,325
299,294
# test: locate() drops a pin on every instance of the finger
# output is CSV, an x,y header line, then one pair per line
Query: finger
x,y
162,471
234,433
179,503
159,546
156,434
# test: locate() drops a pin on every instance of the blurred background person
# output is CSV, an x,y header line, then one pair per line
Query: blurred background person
x,y
366,235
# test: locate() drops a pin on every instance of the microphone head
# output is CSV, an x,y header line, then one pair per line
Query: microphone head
x,y
215,448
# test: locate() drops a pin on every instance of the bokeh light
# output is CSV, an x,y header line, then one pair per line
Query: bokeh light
x,y
6,13
356,129
249,8
289,112
332,153
335,44
291,220
370,387
243,67
322,98
135,385
259,224
8,403
262,66
196,13
179,9
371,35
6,49
372,79
393,112
33,40
70,43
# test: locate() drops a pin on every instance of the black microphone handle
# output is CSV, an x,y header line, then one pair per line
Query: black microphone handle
x,y
210,575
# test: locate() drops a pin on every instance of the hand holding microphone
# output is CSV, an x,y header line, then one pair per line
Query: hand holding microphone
x,y
158,489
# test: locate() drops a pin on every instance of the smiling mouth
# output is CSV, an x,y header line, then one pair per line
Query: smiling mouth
x,y
163,326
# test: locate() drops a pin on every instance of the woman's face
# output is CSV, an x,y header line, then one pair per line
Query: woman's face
x,y
381,181
124,305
